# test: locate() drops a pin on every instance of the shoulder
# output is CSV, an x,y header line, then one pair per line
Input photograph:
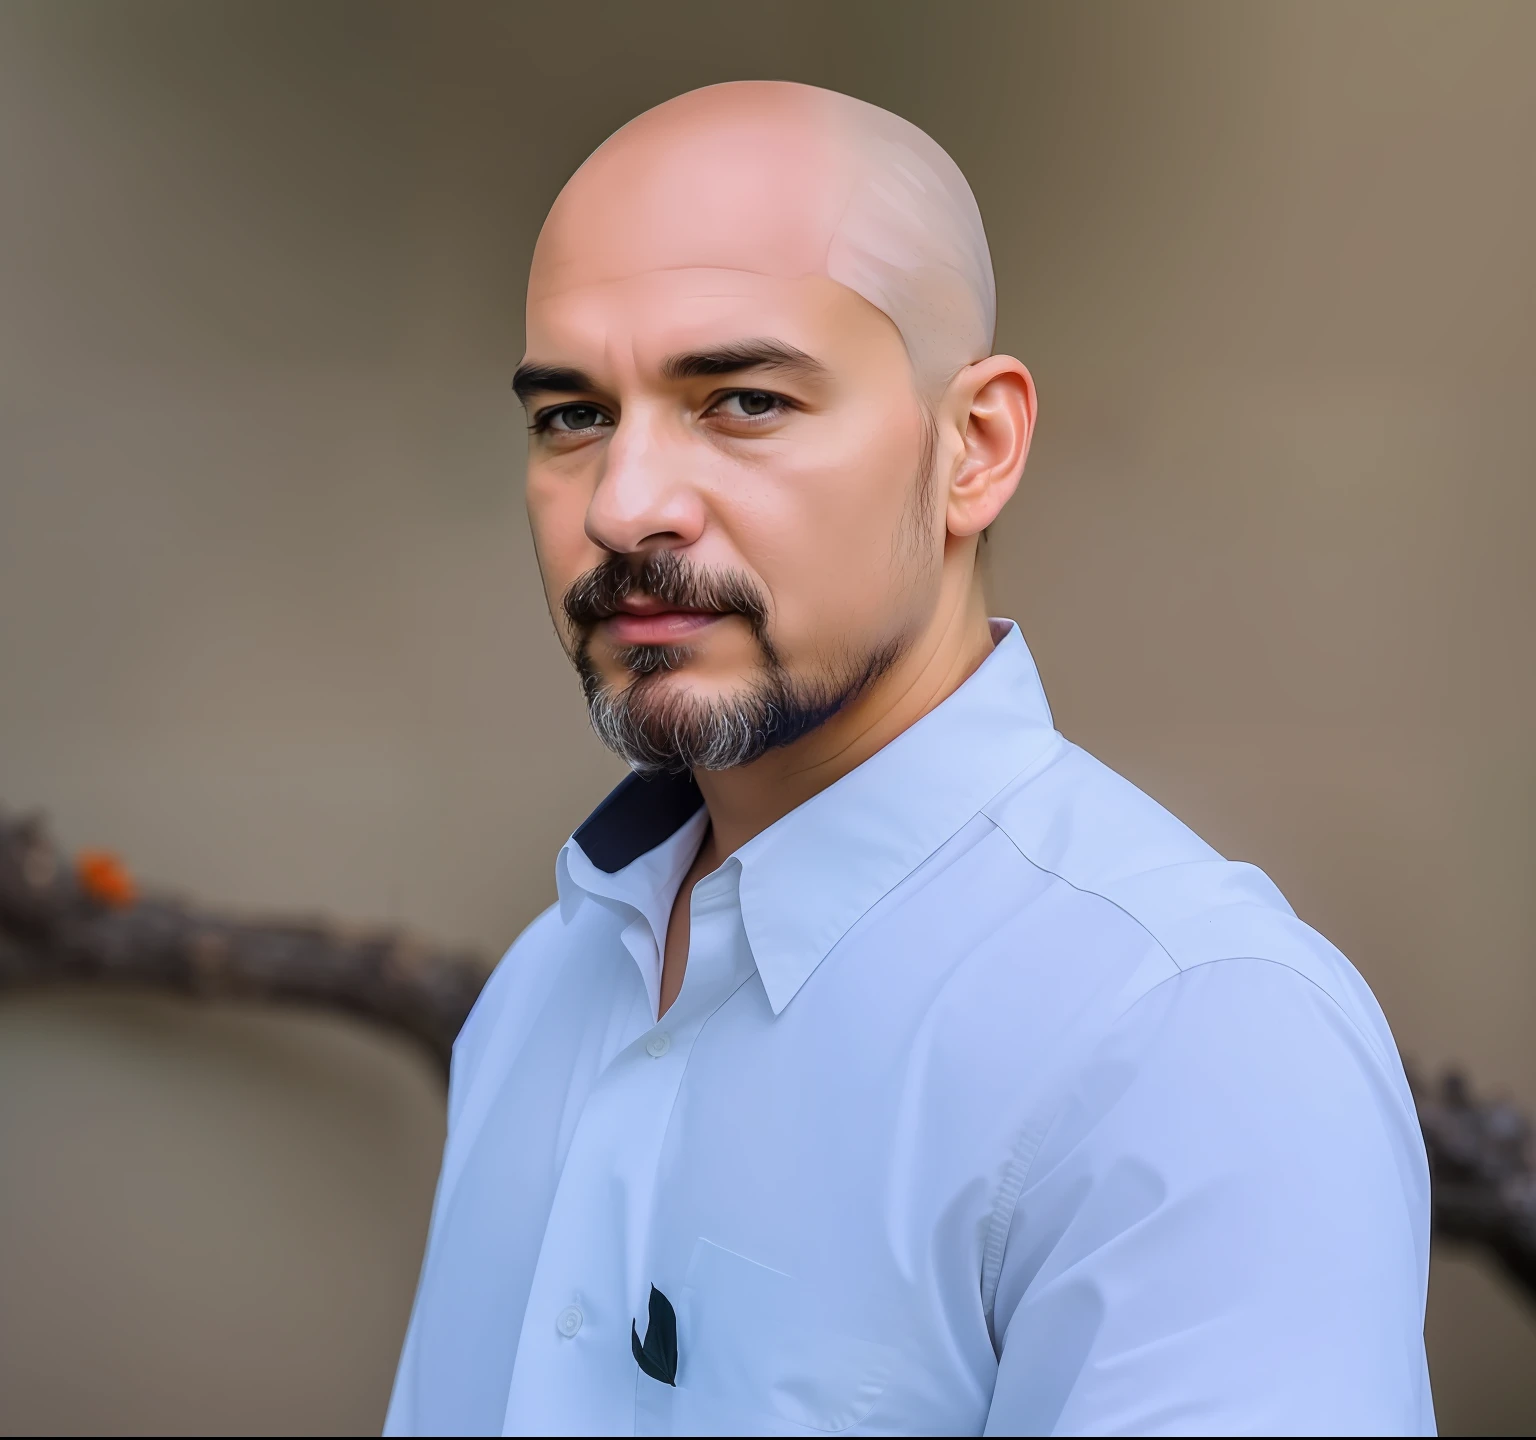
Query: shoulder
x,y
1136,872
1193,1013
1214,1032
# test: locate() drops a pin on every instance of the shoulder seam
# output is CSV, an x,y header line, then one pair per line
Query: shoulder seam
x,y
1173,959
1031,1137
1136,920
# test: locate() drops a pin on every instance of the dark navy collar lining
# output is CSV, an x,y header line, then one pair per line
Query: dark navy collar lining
x,y
637,816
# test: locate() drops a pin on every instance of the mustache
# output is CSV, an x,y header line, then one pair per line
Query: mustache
x,y
665,576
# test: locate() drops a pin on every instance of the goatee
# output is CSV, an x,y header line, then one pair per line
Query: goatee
x,y
655,728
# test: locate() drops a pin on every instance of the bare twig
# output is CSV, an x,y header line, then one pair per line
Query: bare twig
x,y
62,922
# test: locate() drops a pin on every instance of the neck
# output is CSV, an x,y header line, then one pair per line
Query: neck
x,y
745,801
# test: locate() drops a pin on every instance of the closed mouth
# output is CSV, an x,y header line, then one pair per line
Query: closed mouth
x,y
657,625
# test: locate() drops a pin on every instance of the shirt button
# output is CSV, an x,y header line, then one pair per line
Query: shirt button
x,y
658,1045
568,1321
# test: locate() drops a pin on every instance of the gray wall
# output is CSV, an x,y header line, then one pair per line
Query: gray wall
x,y
269,623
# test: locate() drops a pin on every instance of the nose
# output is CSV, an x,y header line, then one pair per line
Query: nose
x,y
643,498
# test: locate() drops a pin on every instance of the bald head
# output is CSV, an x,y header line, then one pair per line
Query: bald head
x,y
786,180
765,424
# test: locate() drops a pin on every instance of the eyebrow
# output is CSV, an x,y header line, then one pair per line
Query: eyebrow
x,y
532,378
744,355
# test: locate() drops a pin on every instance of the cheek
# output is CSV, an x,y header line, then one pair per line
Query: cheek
x,y
823,525
557,511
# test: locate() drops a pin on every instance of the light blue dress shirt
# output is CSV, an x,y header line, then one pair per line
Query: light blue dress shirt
x,y
994,1101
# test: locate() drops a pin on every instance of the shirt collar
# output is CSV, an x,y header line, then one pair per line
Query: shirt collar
x,y
634,850
808,878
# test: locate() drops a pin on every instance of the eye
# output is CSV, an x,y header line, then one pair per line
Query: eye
x,y
570,419
749,405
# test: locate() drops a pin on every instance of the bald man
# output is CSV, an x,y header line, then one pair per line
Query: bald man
x,y
887,1065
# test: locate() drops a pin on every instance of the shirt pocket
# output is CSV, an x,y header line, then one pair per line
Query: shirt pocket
x,y
756,1356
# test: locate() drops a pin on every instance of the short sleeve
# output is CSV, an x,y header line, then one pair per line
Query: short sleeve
x,y
1224,1230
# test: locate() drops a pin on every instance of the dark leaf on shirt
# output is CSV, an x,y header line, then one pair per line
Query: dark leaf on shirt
x,y
657,1356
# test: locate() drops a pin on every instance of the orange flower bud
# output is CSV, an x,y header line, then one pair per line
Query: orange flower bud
x,y
104,877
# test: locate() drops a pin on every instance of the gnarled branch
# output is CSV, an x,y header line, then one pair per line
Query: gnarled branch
x,y
62,922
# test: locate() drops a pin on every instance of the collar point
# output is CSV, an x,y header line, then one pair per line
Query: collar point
x,y
779,994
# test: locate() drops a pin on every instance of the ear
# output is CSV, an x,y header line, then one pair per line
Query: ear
x,y
993,406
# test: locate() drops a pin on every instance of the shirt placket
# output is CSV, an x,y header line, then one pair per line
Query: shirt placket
x,y
575,1371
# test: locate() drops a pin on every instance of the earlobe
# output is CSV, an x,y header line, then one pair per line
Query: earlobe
x,y
997,399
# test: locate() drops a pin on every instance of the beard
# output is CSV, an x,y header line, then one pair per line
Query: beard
x,y
657,729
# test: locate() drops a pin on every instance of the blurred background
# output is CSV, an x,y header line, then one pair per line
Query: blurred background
x,y
270,626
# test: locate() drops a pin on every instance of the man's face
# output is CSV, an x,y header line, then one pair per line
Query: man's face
x,y
727,483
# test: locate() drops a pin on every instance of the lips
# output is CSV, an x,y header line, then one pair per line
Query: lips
x,y
659,626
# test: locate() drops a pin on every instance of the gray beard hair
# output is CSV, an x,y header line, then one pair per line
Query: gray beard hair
x,y
657,733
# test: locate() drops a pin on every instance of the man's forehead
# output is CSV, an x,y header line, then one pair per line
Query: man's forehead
x,y
638,322
751,197
680,295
